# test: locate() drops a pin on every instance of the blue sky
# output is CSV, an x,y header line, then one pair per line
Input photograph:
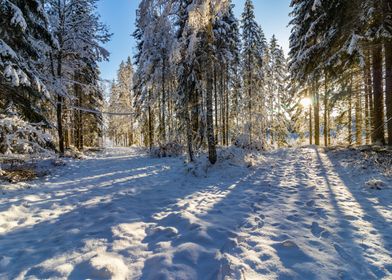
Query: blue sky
x,y
119,15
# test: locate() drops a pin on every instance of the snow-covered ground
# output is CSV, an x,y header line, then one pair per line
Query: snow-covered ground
x,y
294,214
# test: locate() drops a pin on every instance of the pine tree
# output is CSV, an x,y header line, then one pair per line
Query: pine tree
x,y
121,126
185,71
155,38
254,45
24,39
79,33
227,58
278,97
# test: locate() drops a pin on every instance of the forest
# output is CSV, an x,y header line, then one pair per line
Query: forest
x,y
201,78
215,153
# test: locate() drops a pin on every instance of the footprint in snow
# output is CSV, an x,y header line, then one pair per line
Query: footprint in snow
x,y
281,237
290,253
310,203
321,212
293,218
319,231
159,233
321,196
254,224
299,203
256,207
350,217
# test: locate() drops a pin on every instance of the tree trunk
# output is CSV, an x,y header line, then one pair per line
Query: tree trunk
x,y
378,110
316,116
163,123
210,121
216,103
368,102
358,114
310,126
227,106
59,108
349,115
222,107
326,111
81,128
150,126
195,111
367,139
67,134
388,87
187,118
329,128
250,98
60,124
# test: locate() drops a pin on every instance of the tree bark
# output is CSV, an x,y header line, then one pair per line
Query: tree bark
x,y
222,107
163,123
227,106
250,97
81,128
367,139
349,115
195,111
358,114
310,126
150,126
326,111
368,100
210,121
316,116
59,107
388,87
60,124
216,103
387,17
378,110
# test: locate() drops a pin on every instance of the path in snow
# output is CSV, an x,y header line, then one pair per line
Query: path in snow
x,y
300,214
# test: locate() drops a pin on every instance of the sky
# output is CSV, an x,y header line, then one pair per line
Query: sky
x,y
119,15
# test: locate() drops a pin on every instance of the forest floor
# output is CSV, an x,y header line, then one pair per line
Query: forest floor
x,y
300,213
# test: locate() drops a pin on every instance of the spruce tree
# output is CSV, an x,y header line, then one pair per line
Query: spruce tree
x,y
254,45
80,36
24,40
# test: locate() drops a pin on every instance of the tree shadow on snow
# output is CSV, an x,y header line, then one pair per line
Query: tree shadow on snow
x,y
90,216
352,248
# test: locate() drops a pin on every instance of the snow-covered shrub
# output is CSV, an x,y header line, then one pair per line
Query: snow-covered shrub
x,y
198,167
242,141
172,149
235,156
231,157
375,184
20,137
73,152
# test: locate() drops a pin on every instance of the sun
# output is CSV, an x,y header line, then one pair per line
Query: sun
x,y
306,102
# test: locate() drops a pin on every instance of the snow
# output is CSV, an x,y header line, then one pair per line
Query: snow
x,y
18,18
353,46
11,74
6,51
316,4
292,214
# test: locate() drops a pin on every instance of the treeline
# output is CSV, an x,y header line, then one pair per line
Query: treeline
x,y
49,76
203,78
200,77
341,58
